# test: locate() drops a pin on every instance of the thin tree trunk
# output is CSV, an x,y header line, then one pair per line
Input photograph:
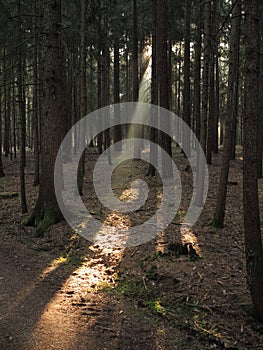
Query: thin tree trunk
x,y
35,99
154,96
6,115
236,87
163,80
217,105
135,76
99,83
106,81
231,105
117,131
22,117
2,174
83,92
197,75
179,80
205,77
14,114
187,71
212,126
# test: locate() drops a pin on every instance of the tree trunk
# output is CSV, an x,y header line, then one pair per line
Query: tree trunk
x,y
260,122
99,82
197,75
231,105
2,174
137,129
35,98
83,92
253,242
154,96
117,131
205,77
187,71
47,211
6,114
22,116
217,104
162,77
212,127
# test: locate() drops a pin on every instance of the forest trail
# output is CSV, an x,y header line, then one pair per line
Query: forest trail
x,y
61,292
55,307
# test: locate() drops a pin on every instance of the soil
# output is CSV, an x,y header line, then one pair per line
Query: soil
x,y
62,292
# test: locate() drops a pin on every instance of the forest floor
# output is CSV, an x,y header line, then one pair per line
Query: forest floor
x,y
62,292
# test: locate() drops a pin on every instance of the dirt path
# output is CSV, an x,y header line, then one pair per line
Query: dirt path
x,y
59,292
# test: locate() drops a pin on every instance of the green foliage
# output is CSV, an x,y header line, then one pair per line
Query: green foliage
x,y
156,307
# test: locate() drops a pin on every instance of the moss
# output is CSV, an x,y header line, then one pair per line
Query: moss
x,y
50,218
42,222
215,224
156,307
29,220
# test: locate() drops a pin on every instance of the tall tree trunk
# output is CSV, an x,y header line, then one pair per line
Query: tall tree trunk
x,y
253,241
187,71
231,105
137,129
135,67
47,211
260,122
197,74
212,127
217,105
6,116
35,97
106,79
154,95
83,92
236,87
205,77
117,131
2,174
162,76
99,82
14,114
22,116
179,80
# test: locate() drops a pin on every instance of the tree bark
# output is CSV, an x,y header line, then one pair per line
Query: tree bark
x,y
253,241
162,76
35,98
231,106
22,115
197,74
154,96
47,211
205,76
117,131
187,71
83,92
2,173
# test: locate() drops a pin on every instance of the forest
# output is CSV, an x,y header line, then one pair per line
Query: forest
x,y
131,175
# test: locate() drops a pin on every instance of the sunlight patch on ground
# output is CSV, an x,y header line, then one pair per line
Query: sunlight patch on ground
x,y
129,194
60,314
188,236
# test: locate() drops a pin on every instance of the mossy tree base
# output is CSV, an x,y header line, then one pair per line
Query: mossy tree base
x,y
42,221
216,224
